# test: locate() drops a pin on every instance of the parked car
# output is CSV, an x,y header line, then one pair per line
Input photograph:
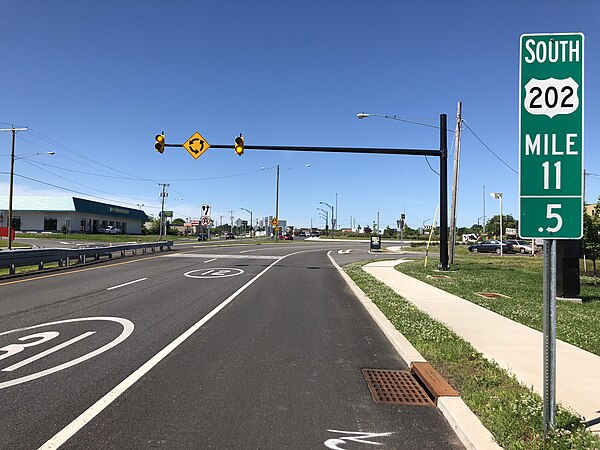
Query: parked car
x,y
229,235
288,237
491,246
111,230
520,246
203,237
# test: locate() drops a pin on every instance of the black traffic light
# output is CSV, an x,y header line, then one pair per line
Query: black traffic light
x,y
160,143
239,145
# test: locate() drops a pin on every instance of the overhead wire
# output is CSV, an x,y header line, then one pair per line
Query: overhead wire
x,y
488,148
76,192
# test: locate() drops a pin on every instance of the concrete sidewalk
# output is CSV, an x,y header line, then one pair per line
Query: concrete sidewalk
x,y
515,347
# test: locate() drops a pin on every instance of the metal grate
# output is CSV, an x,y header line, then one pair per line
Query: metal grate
x,y
396,386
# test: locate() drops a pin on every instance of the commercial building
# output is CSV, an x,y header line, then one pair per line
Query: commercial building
x,y
73,214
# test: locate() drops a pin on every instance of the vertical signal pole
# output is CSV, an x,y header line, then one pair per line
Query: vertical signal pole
x,y
455,181
443,193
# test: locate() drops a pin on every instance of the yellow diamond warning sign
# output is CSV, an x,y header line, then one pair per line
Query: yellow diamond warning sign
x,y
196,145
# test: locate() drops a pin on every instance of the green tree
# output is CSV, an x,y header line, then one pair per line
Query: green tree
x,y
179,222
388,233
591,235
493,225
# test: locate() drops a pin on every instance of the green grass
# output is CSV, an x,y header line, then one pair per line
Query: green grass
x,y
511,411
520,278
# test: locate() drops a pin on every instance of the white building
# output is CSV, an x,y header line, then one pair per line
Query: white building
x,y
77,215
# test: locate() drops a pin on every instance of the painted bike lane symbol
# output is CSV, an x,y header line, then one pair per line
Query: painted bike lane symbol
x,y
23,342
213,273
352,436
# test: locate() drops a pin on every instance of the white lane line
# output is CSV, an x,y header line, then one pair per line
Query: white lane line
x,y
126,284
205,255
210,260
66,433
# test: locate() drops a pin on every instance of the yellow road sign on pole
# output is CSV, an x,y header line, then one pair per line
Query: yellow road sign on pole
x,y
274,221
196,145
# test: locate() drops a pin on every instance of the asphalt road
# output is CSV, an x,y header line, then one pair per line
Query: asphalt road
x,y
257,347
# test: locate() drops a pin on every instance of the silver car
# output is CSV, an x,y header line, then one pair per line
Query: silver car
x,y
520,246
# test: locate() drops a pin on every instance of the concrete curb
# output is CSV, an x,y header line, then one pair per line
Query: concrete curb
x,y
463,421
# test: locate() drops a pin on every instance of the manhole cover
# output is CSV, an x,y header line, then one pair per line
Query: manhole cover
x,y
491,295
395,386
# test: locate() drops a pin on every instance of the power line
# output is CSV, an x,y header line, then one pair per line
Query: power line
x,y
64,147
76,192
35,164
489,149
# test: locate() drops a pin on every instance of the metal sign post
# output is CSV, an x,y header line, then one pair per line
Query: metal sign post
x,y
549,410
551,166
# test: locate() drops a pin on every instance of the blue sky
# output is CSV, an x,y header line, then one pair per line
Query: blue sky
x,y
96,81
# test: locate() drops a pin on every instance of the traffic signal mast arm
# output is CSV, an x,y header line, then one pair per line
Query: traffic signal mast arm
x,y
364,150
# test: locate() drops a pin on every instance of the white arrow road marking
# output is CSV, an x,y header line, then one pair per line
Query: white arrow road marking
x,y
126,284
344,252
359,436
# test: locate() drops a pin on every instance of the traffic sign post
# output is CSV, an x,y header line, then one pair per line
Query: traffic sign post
x,y
551,167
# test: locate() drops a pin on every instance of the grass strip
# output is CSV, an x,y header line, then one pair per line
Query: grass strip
x,y
511,411
521,279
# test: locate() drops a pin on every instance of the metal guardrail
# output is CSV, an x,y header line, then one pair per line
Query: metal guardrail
x,y
64,256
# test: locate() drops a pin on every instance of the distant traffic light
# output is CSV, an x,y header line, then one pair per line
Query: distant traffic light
x,y
239,145
160,143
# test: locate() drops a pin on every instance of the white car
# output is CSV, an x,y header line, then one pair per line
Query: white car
x,y
111,230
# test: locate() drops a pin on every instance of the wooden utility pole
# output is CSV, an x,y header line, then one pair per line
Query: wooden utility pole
x,y
455,181
163,196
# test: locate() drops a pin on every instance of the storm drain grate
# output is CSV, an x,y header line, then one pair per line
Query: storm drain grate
x,y
396,386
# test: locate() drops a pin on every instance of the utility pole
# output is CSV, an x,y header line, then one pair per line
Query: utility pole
x,y
455,181
10,189
231,219
483,208
276,229
164,194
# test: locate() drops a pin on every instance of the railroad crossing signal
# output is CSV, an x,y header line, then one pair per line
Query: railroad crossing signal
x,y
551,136
239,145
160,143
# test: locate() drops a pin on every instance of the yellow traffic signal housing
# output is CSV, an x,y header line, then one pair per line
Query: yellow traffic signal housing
x,y
239,145
160,143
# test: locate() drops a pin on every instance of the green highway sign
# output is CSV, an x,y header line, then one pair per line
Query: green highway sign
x,y
551,136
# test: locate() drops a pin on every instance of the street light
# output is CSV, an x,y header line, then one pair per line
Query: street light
x,y
498,195
332,216
364,115
247,210
326,217
275,234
